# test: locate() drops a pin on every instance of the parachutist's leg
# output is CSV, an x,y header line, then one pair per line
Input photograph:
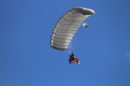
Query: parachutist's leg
x,y
69,61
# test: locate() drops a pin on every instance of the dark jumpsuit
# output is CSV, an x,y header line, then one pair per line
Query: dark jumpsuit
x,y
71,58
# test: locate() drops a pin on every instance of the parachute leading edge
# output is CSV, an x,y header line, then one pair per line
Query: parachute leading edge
x,y
67,26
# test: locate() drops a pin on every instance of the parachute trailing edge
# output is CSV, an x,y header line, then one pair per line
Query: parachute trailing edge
x,y
67,26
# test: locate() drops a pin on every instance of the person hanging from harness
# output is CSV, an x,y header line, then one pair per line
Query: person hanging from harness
x,y
73,59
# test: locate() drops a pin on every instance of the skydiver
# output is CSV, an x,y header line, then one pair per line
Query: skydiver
x,y
73,59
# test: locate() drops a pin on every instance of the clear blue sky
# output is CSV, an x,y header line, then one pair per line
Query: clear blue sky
x,y
26,58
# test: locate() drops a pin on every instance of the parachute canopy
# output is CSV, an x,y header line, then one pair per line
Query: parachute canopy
x,y
67,26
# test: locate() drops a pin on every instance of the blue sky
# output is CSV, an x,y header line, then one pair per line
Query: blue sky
x,y
26,58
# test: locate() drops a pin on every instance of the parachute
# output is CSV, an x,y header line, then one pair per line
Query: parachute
x,y
67,26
